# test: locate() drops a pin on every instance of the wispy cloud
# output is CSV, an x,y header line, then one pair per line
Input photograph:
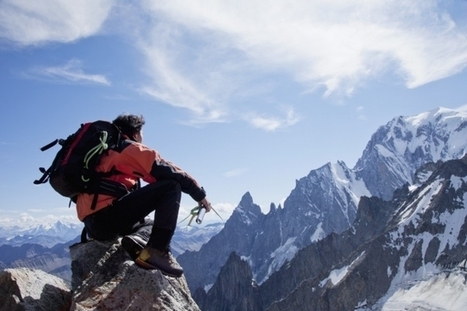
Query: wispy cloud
x,y
36,217
335,44
235,172
202,55
70,72
175,88
188,75
272,123
36,22
360,112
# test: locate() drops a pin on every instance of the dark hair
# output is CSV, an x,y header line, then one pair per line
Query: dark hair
x,y
129,124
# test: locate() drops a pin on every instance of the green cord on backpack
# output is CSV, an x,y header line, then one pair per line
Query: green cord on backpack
x,y
101,147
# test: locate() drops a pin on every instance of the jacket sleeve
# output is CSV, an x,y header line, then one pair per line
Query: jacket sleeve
x,y
162,169
150,166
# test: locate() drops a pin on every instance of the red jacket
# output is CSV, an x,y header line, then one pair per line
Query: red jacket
x,y
134,161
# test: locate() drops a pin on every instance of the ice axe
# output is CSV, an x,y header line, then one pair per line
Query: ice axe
x,y
198,212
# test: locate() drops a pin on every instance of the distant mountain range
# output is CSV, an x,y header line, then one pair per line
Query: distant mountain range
x,y
46,235
46,247
328,200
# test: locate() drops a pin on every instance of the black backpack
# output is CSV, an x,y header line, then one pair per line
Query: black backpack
x,y
73,168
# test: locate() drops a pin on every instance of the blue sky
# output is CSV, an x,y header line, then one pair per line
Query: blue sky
x,y
245,96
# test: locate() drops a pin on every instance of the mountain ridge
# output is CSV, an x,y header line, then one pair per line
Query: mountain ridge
x,y
393,250
326,200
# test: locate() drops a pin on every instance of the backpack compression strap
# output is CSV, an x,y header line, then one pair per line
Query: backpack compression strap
x,y
107,187
46,173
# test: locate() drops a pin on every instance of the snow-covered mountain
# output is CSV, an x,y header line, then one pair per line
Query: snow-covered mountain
x,y
326,200
46,235
408,253
46,246
400,147
191,238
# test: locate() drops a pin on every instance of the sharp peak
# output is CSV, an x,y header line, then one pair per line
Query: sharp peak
x,y
247,199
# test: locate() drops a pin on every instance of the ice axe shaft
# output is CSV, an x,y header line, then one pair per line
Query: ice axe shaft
x,y
201,213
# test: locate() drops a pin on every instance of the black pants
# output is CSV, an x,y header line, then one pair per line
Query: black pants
x,y
127,215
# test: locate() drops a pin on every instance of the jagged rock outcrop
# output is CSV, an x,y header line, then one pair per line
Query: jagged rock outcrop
x,y
234,289
239,234
268,241
105,278
30,289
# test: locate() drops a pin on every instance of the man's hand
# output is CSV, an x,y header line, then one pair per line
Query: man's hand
x,y
205,202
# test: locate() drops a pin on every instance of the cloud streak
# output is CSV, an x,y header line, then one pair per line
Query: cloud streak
x,y
174,85
273,123
70,72
333,44
235,172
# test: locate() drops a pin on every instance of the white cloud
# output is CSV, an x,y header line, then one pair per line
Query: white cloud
x,y
337,45
185,76
270,124
72,72
34,22
25,218
204,56
174,88
36,217
360,113
235,172
225,210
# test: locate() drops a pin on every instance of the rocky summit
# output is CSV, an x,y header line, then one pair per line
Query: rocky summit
x,y
29,289
104,278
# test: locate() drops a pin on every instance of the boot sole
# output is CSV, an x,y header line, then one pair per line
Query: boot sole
x,y
148,266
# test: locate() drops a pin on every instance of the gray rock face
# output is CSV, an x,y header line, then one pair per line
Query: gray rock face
x,y
239,233
28,289
54,260
235,281
317,206
105,278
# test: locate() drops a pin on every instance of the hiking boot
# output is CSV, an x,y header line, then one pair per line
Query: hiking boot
x,y
151,258
133,244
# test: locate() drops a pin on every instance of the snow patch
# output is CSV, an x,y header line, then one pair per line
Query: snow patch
x,y
337,275
282,254
439,292
319,233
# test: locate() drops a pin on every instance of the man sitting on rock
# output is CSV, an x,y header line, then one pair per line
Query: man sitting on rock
x,y
147,241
